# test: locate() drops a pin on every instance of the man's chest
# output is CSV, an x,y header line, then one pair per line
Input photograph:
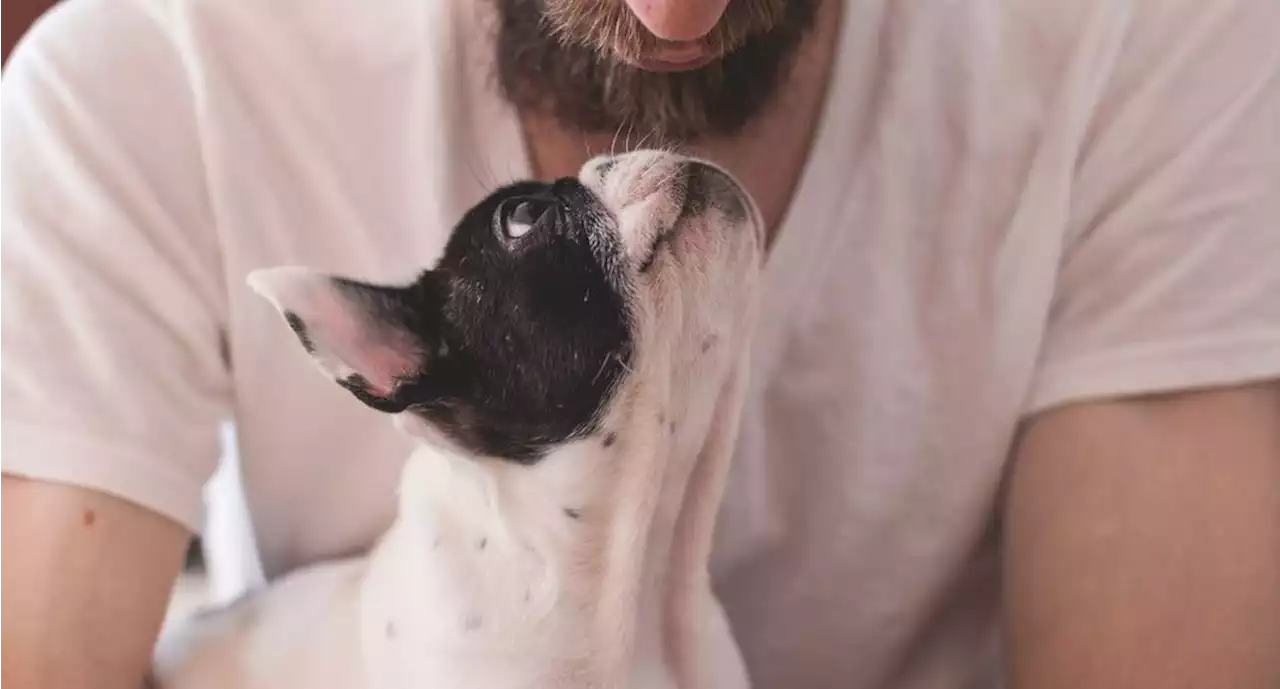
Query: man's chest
x,y
895,341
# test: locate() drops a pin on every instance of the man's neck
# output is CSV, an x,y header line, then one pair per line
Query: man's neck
x,y
767,156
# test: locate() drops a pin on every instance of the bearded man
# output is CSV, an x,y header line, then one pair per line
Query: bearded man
x,y
1015,410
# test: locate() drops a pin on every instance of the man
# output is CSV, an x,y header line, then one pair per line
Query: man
x,y
1015,419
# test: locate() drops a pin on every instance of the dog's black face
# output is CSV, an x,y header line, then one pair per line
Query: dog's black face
x,y
513,342
529,331
519,336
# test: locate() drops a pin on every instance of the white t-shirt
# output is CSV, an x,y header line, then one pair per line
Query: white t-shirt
x,y
1010,205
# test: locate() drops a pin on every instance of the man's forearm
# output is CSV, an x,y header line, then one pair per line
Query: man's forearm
x,y
16,18
86,579
1143,545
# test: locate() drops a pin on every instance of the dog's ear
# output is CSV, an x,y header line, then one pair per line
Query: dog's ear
x,y
371,339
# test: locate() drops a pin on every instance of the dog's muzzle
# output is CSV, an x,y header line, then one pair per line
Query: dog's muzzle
x,y
675,192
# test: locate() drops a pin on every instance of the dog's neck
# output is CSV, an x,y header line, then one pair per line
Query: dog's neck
x,y
586,569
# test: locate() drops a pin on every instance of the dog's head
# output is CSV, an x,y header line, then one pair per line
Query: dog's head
x,y
548,299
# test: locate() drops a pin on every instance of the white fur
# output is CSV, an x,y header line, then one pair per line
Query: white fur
x,y
484,580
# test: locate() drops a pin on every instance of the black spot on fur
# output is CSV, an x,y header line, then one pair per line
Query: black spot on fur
x,y
607,165
610,439
511,351
300,329
572,513
358,385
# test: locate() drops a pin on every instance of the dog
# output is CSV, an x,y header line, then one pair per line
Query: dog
x,y
573,371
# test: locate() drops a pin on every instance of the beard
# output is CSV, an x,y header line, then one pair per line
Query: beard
x,y
572,60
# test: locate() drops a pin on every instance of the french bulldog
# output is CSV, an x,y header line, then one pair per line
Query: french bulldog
x,y
573,372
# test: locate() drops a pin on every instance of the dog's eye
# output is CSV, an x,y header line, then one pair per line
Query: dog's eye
x,y
522,218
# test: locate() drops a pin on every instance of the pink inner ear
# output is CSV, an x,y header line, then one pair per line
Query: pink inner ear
x,y
378,352
346,340
383,359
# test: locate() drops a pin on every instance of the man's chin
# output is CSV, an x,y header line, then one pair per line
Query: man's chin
x,y
672,92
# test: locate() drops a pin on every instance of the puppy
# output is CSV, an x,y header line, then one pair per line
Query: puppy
x,y
573,370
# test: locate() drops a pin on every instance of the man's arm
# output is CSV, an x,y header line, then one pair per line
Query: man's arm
x,y
1143,544
89,577
113,376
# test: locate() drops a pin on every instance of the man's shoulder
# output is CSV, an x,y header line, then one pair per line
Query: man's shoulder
x,y
1051,25
73,36
202,36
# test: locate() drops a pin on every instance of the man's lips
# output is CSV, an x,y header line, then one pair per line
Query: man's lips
x,y
675,56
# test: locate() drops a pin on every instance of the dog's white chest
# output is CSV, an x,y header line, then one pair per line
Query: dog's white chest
x,y
573,368
458,595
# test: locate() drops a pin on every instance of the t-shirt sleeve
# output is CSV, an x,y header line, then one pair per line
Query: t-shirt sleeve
x,y
1170,278
113,372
